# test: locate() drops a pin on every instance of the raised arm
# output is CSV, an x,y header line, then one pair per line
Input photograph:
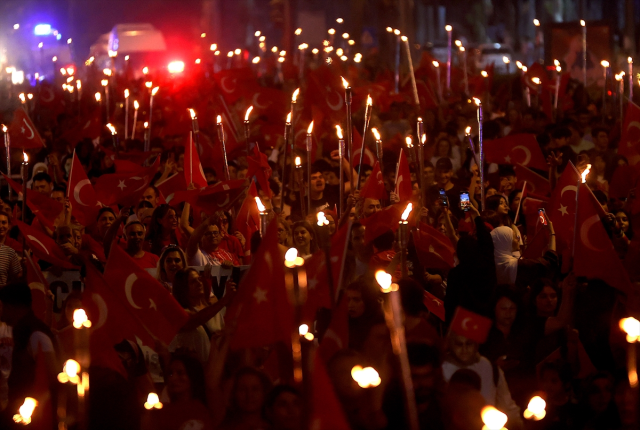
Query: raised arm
x,y
563,318
112,232
194,241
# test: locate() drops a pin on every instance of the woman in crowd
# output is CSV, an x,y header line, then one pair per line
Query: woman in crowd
x,y
304,239
248,392
284,234
172,259
162,230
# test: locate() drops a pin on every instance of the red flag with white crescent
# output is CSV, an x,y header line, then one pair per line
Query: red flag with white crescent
x,y
470,325
44,247
143,296
630,140
373,188
562,209
193,172
23,132
124,188
84,203
515,149
403,189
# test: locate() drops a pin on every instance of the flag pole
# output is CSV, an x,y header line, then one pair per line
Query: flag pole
x,y
287,136
7,148
309,142
524,187
348,98
581,181
367,118
220,128
24,173
341,156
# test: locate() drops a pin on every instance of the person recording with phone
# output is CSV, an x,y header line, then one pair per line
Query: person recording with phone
x,y
521,272
444,187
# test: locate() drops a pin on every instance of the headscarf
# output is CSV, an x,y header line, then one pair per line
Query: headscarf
x,y
506,263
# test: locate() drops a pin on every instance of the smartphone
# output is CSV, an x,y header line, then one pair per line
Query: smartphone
x,y
443,198
543,216
464,201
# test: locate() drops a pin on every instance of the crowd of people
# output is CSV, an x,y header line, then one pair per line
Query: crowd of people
x,y
551,332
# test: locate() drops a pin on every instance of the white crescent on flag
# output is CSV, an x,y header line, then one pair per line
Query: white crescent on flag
x,y
26,123
584,232
35,239
128,286
78,188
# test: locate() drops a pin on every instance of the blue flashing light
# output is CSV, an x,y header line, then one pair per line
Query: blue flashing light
x,y
42,30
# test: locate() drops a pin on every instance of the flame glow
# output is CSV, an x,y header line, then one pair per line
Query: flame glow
x,y
407,211
585,173
582,23
369,100
409,141
435,63
448,27
477,101
384,280
604,63
261,207
289,118
192,113
375,133
344,82
219,119
310,128
631,327
467,131
298,161
153,401
112,129
294,96
246,115
155,91
322,219
536,409
536,80
365,377
136,105
339,132
25,411
25,157
493,418
291,258
126,93
485,74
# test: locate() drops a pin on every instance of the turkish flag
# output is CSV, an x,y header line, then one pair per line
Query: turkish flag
x,y
124,188
403,189
172,185
630,140
562,210
43,206
247,221
88,127
262,308
434,248
470,325
143,296
234,83
22,132
38,285
271,103
515,149
382,221
218,197
433,304
49,97
43,246
319,294
193,172
537,234
536,184
326,413
373,188
595,256
336,337
84,203
326,92
259,167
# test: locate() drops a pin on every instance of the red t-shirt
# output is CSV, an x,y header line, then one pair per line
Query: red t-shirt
x,y
147,261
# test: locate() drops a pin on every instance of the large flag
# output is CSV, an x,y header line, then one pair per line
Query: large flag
x,y
247,221
595,256
259,167
22,132
261,310
43,246
84,204
630,140
39,286
319,294
536,184
143,296
434,305
434,248
562,210
382,221
327,413
88,127
193,172
373,188
235,83
43,206
171,185
404,188
515,149
326,92
337,335
125,188
218,197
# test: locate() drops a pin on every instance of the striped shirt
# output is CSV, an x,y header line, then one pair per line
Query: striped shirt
x,y
10,268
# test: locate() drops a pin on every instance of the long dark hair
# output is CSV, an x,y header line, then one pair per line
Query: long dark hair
x,y
313,246
492,203
180,288
154,235
195,372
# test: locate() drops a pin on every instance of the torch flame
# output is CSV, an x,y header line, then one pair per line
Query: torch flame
x,y
153,401
339,132
344,82
155,91
485,74
536,409
406,212
435,63
298,161
604,63
631,327
192,113
310,128
291,258
25,157
629,60
477,101
261,207
375,133
467,130
384,280
582,23
26,411
111,128
4,128
409,141
404,38
136,105
294,97
535,80
289,118
493,418
218,119
80,318
424,138
322,219
585,173
519,64
365,377
448,27
126,93
246,115
369,100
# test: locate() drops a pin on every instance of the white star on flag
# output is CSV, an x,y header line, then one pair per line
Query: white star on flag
x,y
563,210
507,159
22,130
121,185
260,295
